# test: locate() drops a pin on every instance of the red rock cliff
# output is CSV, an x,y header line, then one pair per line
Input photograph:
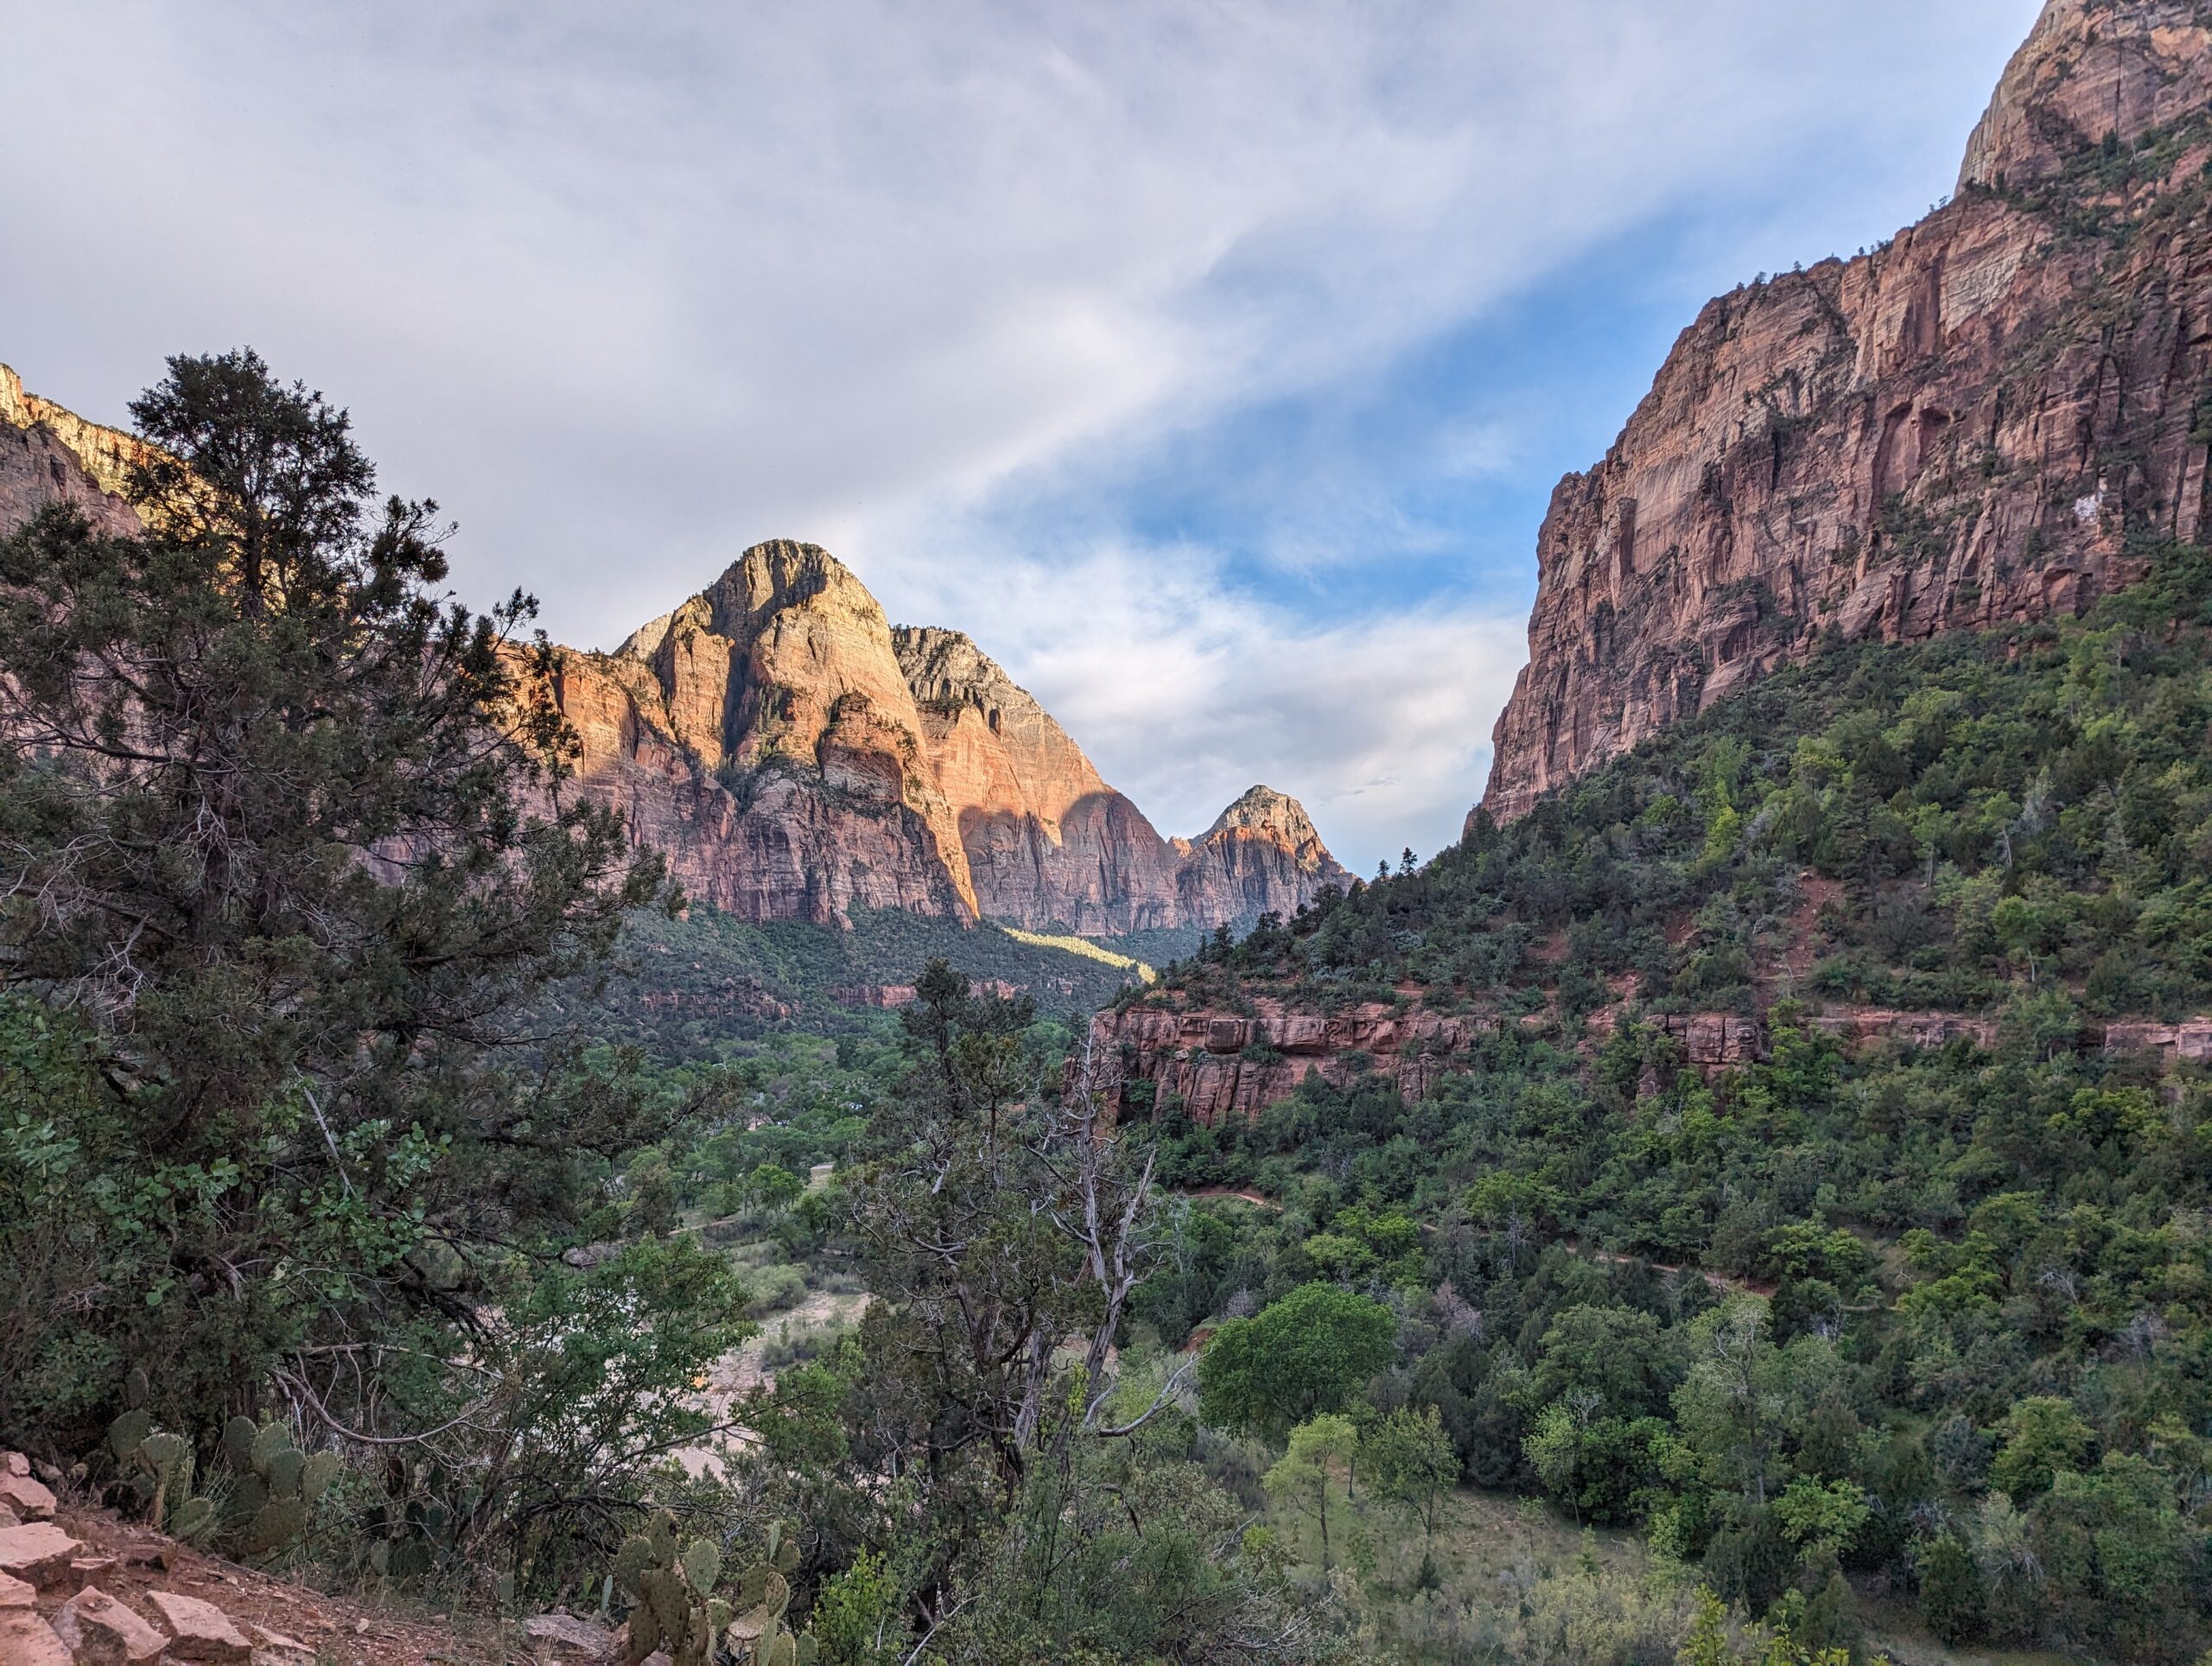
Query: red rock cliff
x,y
796,758
48,455
1964,428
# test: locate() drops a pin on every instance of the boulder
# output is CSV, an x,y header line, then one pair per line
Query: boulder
x,y
27,1640
198,1629
14,1463
16,1593
276,1649
101,1631
37,1551
567,1638
30,1500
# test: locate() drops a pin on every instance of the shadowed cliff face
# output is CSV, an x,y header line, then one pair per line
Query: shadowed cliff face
x,y
796,758
1979,422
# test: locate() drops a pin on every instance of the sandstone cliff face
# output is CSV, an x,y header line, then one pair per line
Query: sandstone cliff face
x,y
797,757
1223,1065
51,456
1965,428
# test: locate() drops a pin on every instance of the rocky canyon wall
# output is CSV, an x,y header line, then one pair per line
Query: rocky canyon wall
x,y
1984,421
796,758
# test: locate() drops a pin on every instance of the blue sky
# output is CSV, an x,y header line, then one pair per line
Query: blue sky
x,y
1210,363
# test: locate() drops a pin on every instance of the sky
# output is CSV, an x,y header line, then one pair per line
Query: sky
x,y
1210,363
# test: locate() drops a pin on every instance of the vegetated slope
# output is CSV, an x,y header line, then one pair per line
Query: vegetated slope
x,y
1963,427
710,979
1861,998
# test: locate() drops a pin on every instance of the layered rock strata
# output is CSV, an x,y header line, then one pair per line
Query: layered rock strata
x,y
1983,420
1219,1065
796,758
49,455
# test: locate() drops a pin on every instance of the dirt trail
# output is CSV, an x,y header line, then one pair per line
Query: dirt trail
x,y
744,1369
1719,1281
1243,1195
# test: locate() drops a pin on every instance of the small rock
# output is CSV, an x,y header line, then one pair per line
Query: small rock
x,y
565,1638
14,1463
101,1631
30,1500
27,1640
90,1570
37,1551
9,1518
275,1649
14,1593
198,1629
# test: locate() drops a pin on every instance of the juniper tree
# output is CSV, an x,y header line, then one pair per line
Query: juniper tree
x,y
287,845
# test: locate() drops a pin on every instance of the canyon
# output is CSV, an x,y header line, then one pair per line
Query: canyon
x,y
795,756
1979,423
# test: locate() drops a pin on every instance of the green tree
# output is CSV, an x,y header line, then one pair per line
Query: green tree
x,y
1307,1353
1412,1463
2044,1437
857,1616
652,1194
289,868
1951,1593
1320,1450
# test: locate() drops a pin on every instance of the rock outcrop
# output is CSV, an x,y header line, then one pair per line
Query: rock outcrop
x,y
1981,422
1221,1065
49,455
796,758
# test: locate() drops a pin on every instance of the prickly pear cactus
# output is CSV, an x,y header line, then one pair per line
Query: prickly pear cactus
x,y
758,1636
158,1467
277,1488
677,1611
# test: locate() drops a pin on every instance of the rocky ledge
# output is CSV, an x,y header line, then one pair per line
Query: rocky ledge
x,y
1219,1064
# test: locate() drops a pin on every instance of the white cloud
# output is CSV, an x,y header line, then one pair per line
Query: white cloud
x,y
631,287
1187,689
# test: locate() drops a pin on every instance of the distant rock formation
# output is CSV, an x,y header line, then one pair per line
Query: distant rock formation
x,y
1965,428
796,757
51,456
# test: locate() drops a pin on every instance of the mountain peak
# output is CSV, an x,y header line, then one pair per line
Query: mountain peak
x,y
770,578
1263,813
2087,69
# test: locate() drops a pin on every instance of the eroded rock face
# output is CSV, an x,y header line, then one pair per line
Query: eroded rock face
x,y
1223,1065
796,757
51,456
1960,430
